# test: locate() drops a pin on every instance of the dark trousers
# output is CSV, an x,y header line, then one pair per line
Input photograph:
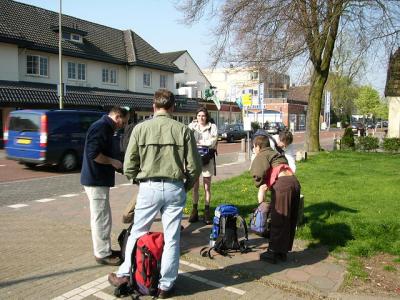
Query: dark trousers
x,y
285,198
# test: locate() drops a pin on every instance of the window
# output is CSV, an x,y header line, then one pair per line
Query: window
x,y
109,76
163,81
113,76
147,79
81,72
76,71
37,65
72,37
105,75
71,70
254,75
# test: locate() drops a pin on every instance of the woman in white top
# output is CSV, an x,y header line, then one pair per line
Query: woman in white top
x,y
206,134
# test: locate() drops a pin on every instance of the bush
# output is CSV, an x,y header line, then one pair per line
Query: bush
x,y
391,144
347,141
367,143
255,126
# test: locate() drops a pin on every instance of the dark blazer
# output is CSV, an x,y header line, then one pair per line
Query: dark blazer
x,y
99,139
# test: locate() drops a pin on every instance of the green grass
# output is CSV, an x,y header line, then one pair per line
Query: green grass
x,y
352,201
389,268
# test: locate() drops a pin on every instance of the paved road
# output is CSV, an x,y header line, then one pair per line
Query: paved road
x,y
19,184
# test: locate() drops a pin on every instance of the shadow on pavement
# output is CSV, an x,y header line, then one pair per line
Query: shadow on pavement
x,y
48,275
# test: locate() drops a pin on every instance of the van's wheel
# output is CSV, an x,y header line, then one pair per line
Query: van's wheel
x,y
30,165
68,162
231,139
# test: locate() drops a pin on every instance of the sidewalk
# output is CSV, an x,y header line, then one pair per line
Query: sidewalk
x,y
45,253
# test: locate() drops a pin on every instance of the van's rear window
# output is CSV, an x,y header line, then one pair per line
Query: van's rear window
x,y
24,122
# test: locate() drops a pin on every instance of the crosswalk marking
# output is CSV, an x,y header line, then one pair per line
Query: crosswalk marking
x,y
68,195
17,205
94,287
45,200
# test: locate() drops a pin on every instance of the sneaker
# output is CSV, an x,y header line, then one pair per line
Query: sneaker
x,y
194,216
116,281
165,294
111,260
128,219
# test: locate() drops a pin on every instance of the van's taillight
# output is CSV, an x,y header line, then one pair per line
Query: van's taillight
x,y
43,131
5,132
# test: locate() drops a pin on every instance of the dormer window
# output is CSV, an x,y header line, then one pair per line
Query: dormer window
x,y
68,36
71,33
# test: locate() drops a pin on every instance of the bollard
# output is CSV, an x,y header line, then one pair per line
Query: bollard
x,y
243,145
300,214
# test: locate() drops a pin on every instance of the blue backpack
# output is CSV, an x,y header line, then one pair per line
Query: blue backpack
x,y
260,221
224,233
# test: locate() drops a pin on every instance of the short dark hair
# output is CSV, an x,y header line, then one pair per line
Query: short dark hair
x,y
117,110
205,111
163,98
262,141
286,137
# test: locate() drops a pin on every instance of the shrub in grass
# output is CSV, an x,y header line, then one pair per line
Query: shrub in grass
x,y
391,144
347,141
367,143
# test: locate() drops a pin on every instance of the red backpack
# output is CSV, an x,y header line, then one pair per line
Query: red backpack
x,y
146,264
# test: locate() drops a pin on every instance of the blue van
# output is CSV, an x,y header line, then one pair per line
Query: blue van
x,y
50,137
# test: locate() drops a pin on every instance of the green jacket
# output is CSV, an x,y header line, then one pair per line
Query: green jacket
x,y
162,148
264,160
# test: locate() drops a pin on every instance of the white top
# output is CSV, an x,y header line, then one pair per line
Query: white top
x,y
205,136
289,152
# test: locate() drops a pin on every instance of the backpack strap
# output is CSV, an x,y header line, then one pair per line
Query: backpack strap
x,y
277,148
243,244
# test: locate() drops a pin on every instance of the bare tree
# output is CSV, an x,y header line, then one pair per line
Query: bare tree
x,y
272,33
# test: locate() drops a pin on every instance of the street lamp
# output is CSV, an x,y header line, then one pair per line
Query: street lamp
x,y
60,75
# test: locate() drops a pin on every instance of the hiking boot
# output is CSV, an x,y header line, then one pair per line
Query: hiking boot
x,y
111,260
282,256
117,281
207,217
269,256
165,294
194,216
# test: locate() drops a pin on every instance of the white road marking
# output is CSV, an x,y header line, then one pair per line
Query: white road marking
x,y
104,296
94,287
229,164
113,187
2,165
68,195
17,205
45,200
125,184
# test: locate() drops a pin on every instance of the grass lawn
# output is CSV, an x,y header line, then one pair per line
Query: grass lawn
x,y
352,201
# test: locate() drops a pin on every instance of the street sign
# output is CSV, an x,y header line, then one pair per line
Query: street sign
x,y
246,99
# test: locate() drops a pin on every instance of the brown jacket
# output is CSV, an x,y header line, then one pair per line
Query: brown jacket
x,y
264,160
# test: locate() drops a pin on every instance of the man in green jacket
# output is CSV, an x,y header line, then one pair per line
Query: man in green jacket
x,y
162,156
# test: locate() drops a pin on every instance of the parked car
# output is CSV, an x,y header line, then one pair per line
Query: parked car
x,y
232,132
358,127
274,127
50,137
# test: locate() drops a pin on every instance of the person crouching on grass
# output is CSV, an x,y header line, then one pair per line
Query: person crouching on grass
x,y
270,170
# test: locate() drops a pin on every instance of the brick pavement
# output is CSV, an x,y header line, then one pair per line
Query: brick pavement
x,y
45,252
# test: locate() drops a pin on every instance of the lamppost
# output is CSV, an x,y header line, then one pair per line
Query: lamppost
x,y
60,75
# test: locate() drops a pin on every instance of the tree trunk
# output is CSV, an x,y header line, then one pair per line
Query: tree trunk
x,y
318,81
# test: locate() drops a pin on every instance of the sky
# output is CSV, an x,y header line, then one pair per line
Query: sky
x,y
160,24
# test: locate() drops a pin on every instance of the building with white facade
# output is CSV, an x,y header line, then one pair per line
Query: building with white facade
x,y
101,66
191,83
279,102
392,92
